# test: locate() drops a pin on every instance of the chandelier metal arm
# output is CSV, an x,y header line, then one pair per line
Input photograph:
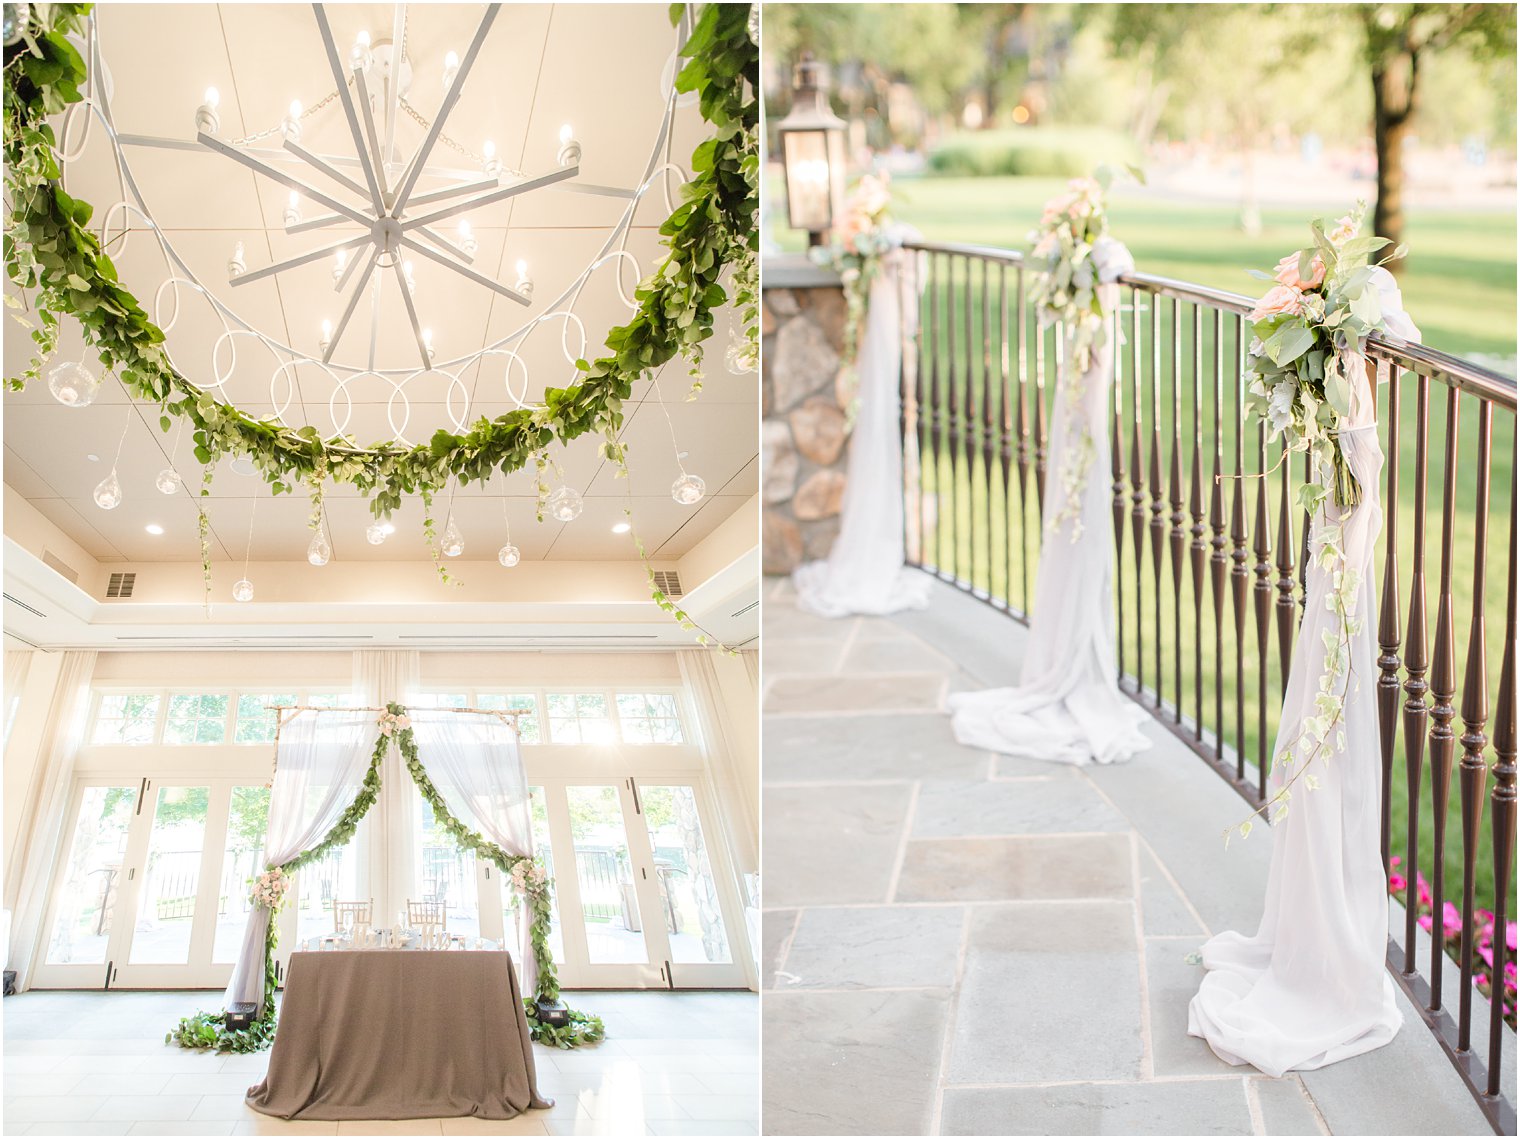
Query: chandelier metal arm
x,y
302,259
345,97
453,192
348,271
445,244
411,312
325,167
456,88
322,222
378,159
485,282
353,303
500,195
232,152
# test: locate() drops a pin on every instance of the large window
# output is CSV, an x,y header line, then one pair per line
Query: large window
x,y
198,719
527,725
579,718
255,719
649,718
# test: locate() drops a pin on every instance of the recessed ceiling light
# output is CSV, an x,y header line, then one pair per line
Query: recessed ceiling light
x,y
93,458
243,466
621,528
154,528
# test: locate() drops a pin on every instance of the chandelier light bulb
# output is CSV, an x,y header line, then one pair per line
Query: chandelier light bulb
x,y
450,69
467,240
206,118
326,341
168,481
688,489
17,16
427,343
509,555
236,266
340,263
108,492
740,357
360,57
565,504
242,590
406,271
524,283
320,549
73,385
375,534
569,147
291,126
453,540
293,209
492,165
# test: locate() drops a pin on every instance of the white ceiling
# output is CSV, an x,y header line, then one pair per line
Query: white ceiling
x,y
597,67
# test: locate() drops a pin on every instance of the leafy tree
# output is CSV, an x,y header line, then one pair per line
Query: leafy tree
x,y
1399,40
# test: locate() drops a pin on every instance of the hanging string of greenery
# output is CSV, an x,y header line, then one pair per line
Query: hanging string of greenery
x,y
53,256
526,874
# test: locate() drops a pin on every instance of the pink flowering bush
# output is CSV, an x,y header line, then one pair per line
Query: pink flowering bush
x,y
1451,935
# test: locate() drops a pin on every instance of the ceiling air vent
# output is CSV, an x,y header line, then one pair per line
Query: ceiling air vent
x,y
668,582
121,585
61,567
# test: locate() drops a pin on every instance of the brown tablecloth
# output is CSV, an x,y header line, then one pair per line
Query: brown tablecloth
x,y
397,1034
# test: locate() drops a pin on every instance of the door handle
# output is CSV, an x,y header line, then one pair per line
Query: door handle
x,y
132,873
142,793
638,808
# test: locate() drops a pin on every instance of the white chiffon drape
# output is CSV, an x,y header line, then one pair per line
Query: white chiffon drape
x,y
864,572
320,766
476,765
1310,988
1068,708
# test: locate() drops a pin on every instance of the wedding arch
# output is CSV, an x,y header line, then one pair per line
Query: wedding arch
x,y
327,777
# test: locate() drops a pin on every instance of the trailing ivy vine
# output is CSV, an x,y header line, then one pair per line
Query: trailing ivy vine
x,y
525,873
54,258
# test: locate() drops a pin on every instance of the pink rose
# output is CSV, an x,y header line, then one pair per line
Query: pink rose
x,y
1287,273
1281,299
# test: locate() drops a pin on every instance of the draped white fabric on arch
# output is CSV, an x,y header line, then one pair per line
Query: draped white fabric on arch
x,y
476,765
321,761
864,572
1311,988
1068,708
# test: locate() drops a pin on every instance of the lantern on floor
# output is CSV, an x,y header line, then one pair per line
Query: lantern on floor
x,y
812,153
240,1016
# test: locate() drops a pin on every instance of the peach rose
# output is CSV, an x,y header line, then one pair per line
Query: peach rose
x,y
1287,273
1280,299
1345,230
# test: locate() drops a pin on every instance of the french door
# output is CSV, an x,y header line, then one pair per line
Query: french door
x,y
643,896
153,890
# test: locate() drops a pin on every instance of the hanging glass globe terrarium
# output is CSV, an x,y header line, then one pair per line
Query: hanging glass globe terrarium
x,y
108,492
72,384
17,16
242,590
168,481
509,555
565,504
688,489
320,550
453,540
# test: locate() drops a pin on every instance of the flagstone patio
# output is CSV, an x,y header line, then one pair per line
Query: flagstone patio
x,y
962,943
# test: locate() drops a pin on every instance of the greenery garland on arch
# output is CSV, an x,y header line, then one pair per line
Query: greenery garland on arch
x,y
52,255
527,875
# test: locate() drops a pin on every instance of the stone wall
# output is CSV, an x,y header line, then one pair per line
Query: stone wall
x,y
803,437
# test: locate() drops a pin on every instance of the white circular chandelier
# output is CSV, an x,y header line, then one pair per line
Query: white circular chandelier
x,y
374,188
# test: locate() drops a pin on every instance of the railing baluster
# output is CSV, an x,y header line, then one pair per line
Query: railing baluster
x,y
1021,432
935,421
1158,494
1005,429
1039,428
989,423
1415,663
1178,534
1389,630
1443,687
1287,608
1503,821
1219,561
1240,573
1262,591
923,268
969,432
1474,713
1200,547
1137,486
1116,471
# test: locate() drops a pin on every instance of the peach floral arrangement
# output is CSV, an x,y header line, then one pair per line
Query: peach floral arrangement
x,y
1324,299
863,235
1066,281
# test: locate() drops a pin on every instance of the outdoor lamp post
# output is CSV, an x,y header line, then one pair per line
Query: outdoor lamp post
x,y
812,153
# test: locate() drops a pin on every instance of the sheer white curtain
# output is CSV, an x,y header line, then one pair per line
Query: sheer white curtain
x,y
475,762
1068,707
380,677
864,572
320,765
1310,988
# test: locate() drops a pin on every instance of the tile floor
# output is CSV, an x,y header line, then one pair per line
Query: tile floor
x,y
961,943
96,1064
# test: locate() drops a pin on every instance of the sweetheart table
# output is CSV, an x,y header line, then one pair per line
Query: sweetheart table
x,y
400,1034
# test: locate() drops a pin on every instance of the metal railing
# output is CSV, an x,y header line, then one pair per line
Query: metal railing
x,y
1210,550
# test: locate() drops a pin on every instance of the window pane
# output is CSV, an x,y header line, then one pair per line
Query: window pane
x,y
445,873
334,878
166,910
242,862
527,726
333,699
649,718
125,719
688,891
199,719
510,901
255,722
609,905
441,700
561,704
87,896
